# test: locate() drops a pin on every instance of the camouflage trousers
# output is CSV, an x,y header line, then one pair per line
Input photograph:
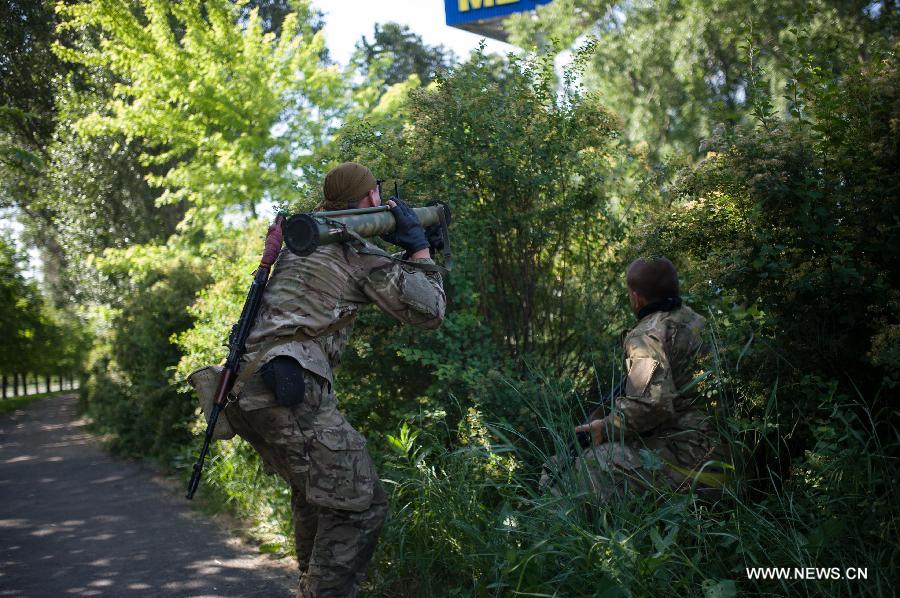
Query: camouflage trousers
x,y
644,466
338,503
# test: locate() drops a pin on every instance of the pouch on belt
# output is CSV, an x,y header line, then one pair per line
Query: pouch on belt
x,y
205,381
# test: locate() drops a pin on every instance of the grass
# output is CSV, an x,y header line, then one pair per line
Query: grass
x,y
11,404
468,521
236,483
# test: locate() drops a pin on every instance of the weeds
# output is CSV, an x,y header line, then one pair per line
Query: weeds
x,y
470,522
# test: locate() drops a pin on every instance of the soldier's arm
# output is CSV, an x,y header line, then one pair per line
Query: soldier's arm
x,y
649,390
405,292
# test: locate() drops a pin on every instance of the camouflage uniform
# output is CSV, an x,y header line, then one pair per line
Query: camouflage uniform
x,y
660,433
307,313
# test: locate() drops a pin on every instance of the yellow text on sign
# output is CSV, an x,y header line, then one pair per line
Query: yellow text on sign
x,y
467,5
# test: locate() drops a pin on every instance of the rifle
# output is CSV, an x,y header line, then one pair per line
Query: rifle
x,y
582,439
236,341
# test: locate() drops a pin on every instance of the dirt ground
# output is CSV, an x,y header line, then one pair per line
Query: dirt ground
x,y
75,521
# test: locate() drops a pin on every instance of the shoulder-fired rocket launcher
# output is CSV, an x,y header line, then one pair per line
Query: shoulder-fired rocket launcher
x,y
303,233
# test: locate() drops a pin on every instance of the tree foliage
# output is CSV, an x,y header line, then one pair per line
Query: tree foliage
x,y
174,120
537,221
209,94
788,217
129,389
19,309
675,70
395,53
28,70
37,338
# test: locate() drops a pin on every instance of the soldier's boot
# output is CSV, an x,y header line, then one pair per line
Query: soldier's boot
x,y
344,545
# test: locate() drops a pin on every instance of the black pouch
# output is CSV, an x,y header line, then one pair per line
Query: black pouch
x,y
284,377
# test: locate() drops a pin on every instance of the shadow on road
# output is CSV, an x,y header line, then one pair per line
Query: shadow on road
x,y
76,522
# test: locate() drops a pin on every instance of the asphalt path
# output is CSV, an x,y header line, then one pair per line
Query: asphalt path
x,y
75,521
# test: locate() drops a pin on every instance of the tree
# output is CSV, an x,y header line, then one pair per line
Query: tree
x,y
231,109
37,338
74,196
28,70
129,387
100,198
19,311
674,70
29,74
537,220
789,231
396,53
219,114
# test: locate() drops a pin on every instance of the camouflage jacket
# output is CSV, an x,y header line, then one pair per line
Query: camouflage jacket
x,y
662,355
311,303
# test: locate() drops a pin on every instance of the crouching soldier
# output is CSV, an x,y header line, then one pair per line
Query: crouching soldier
x,y
287,410
659,433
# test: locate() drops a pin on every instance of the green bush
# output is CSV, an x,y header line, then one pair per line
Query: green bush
x,y
128,392
789,231
542,197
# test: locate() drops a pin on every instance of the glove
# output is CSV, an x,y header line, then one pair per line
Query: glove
x,y
408,233
434,236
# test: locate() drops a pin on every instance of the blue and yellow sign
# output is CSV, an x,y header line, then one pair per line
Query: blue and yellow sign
x,y
485,16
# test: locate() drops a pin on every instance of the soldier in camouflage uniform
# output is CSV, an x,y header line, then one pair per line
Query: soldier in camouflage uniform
x,y
287,410
660,433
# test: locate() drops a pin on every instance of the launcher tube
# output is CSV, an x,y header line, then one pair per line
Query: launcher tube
x,y
303,233
374,224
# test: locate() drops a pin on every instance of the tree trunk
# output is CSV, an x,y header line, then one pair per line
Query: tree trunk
x,y
47,380
4,386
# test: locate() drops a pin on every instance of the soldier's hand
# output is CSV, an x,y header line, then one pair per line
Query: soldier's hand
x,y
408,233
597,430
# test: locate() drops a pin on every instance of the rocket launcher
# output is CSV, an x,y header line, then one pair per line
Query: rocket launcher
x,y
304,233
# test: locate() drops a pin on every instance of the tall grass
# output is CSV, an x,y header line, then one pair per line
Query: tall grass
x,y
469,521
467,518
236,481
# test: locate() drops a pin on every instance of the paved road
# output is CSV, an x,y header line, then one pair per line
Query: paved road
x,y
75,521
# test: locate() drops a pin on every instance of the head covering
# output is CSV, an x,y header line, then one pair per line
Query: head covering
x,y
345,185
